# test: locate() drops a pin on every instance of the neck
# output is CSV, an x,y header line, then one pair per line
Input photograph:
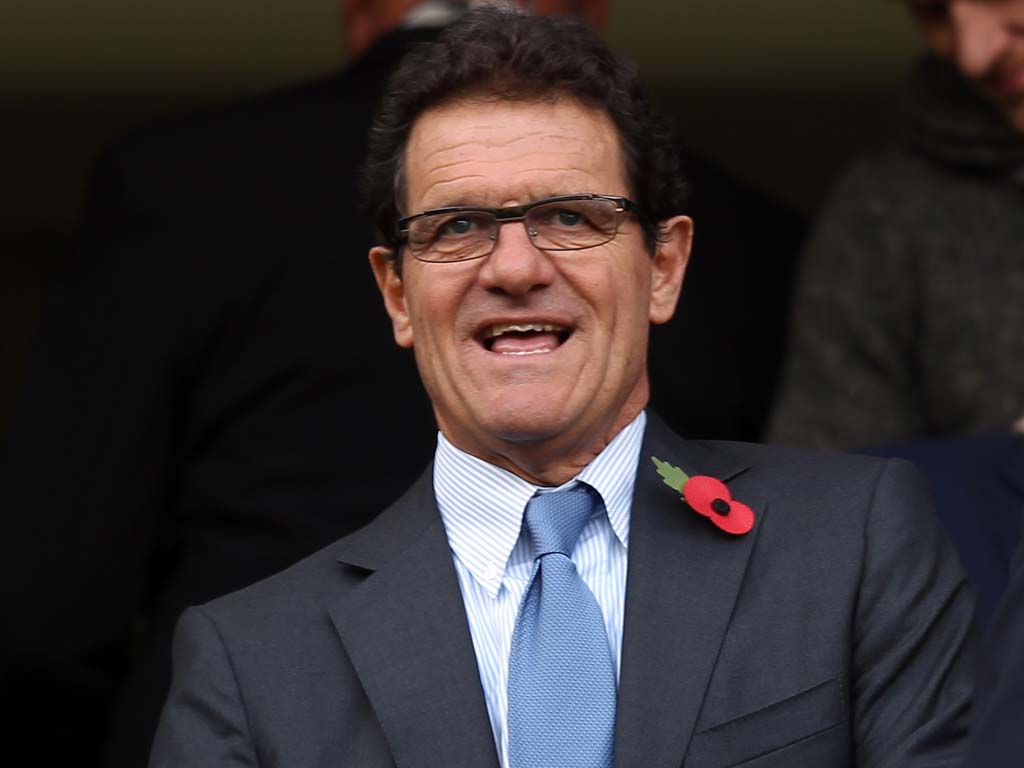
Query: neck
x,y
550,462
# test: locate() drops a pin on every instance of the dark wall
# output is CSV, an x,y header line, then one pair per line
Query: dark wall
x,y
783,94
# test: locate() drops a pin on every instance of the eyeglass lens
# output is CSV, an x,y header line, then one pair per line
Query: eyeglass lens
x,y
566,225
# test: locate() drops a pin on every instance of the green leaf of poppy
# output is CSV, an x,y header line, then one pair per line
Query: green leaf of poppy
x,y
673,476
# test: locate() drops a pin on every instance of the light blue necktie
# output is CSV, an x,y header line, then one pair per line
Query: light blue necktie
x,y
561,678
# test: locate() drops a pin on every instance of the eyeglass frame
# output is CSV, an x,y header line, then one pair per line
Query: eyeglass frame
x,y
516,213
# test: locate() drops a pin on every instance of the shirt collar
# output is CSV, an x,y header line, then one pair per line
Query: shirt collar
x,y
482,505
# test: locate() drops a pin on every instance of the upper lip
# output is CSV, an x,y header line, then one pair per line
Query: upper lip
x,y
491,329
497,329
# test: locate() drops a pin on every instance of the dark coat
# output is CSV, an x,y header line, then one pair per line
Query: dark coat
x,y
910,297
997,739
978,486
836,633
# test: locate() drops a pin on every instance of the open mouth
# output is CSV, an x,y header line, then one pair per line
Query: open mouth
x,y
523,338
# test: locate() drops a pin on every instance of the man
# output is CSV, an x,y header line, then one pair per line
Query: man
x,y
210,398
911,294
528,204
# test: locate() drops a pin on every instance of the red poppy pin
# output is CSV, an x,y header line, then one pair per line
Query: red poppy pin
x,y
708,496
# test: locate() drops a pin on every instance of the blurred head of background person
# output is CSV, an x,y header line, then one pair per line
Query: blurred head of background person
x,y
910,300
366,21
985,40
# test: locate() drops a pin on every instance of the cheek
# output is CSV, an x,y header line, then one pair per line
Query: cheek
x,y
625,278
640,287
630,301
434,314
430,307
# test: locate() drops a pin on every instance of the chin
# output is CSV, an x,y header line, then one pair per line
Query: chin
x,y
524,421
516,429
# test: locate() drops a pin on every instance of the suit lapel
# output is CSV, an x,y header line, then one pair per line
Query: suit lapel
x,y
683,578
405,631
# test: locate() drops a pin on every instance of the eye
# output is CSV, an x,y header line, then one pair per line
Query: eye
x,y
466,225
459,225
562,216
567,218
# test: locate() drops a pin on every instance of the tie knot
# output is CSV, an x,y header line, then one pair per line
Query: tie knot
x,y
555,520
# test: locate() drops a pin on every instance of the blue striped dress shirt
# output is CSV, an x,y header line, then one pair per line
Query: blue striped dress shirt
x,y
482,507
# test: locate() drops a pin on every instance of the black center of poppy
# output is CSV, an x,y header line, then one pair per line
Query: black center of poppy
x,y
721,506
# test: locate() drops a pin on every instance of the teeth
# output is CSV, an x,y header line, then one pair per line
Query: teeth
x,y
531,352
497,330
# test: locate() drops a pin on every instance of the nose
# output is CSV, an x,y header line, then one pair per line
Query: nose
x,y
980,36
516,266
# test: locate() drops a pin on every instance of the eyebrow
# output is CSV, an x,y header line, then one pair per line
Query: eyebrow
x,y
454,202
532,196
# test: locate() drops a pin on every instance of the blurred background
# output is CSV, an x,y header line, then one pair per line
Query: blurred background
x,y
781,93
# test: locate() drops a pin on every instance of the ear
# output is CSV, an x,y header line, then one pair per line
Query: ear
x,y
392,288
671,256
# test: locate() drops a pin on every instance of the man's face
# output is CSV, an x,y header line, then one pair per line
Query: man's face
x,y
532,396
985,39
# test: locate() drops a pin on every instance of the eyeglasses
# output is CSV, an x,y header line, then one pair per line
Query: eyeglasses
x,y
564,223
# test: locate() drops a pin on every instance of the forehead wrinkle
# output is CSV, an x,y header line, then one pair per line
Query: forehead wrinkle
x,y
521,187
453,158
495,137
470,179
470,154
449,192
468,143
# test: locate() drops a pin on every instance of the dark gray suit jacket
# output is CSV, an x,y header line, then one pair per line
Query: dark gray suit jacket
x,y
997,738
836,633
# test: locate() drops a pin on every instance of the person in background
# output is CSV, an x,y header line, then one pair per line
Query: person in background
x,y
211,396
910,299
542,595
